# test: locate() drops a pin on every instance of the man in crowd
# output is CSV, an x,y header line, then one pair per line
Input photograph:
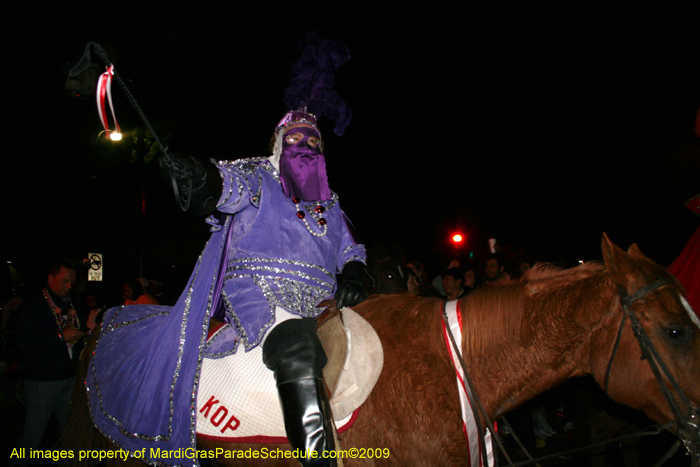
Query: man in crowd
x,y
495,271
49,342
453,283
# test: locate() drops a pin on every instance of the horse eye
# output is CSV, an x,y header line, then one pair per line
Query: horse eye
x,y
677,334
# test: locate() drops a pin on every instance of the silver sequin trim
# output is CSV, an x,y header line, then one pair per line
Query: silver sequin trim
x,y
214,338
268,167
354,258
348,248
274,270
279,261
255,200
193,399
113,327
246,167
294,296
239,327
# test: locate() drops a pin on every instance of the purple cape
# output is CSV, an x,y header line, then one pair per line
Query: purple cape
x,y
138,368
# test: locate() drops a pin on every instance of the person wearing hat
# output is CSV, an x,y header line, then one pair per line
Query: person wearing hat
x,y
290,238
279,240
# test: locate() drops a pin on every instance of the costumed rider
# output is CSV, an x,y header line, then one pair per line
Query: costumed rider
x,y
289,238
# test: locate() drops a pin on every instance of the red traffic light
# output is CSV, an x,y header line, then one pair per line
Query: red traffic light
x,y
457,238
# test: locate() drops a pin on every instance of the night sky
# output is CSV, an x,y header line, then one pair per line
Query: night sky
x,y
543,125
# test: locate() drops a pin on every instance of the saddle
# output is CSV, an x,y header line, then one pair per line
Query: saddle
x,y
237,398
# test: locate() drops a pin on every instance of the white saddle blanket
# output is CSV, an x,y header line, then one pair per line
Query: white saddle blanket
x,y
237,397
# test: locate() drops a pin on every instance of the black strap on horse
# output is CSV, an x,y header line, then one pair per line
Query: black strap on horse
x,y
688,422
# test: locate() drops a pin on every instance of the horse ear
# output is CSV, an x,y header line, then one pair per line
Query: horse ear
x,y
617,262
636,253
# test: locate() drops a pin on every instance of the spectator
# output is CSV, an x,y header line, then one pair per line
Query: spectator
x,y
156,290
525,265
437,282
469,280
413,284
495,271
453,283
419,270
94,311
134,294
49,341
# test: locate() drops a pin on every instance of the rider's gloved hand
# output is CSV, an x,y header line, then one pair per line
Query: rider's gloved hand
x,y
351,290
194,180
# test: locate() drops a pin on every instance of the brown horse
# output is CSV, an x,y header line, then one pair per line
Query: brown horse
x,y
519,340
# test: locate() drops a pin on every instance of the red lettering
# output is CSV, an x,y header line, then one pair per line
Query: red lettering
x,y
210,403
223,415
219,415
228,424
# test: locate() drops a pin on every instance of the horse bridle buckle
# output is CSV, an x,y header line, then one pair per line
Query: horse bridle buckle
x,y
689,431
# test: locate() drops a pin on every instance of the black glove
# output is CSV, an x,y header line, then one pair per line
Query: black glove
x,y
197,185
352,288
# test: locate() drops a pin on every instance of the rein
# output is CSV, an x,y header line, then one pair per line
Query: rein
x,y
687,423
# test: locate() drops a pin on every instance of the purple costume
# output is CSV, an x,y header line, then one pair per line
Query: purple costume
x,y
278,256
266,250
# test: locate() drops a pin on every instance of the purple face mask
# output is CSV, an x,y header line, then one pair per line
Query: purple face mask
x,y
303,168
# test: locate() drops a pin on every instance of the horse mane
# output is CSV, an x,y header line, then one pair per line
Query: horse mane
x,y
546,276
489,314
492,315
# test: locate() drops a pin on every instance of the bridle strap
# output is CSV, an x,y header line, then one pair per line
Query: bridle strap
x,y
626,300
648,350
614,352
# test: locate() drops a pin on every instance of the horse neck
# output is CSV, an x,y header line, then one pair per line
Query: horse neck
x,y
521,340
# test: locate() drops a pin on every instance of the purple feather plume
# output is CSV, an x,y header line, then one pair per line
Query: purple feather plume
x,y
312,79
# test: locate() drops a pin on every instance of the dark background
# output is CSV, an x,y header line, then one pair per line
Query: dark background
x,y
541,124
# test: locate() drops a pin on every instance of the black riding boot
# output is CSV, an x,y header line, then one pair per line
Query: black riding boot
x,y
293,351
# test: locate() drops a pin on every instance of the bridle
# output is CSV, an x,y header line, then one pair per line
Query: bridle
x,y
687,421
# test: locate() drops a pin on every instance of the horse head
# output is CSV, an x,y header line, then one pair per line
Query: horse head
x,y
653,328
388,274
